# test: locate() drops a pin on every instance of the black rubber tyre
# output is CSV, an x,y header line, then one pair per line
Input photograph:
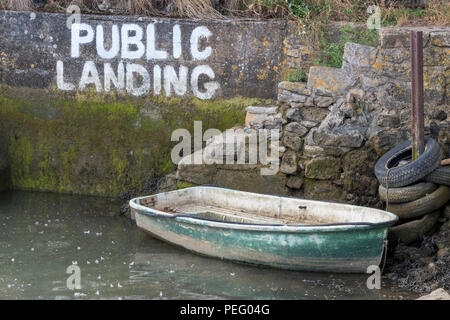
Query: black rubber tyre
x,y
414,230
424,205
406,194
440,175
390,174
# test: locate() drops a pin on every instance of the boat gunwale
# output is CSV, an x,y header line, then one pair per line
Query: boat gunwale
x,y
325,227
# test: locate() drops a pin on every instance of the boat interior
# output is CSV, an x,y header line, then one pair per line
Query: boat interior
x,y
243,207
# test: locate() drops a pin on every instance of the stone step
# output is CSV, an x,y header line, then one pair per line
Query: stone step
x,y
258,114
296,92
358,58
329,81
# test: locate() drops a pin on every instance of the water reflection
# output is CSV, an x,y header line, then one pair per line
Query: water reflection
x,y
42,234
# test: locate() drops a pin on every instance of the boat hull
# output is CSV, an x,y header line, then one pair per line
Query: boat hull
x,y
343,250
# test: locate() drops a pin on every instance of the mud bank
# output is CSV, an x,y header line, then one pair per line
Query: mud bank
x,y
424,266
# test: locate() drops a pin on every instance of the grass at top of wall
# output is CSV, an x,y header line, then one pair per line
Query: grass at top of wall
x,y
298,75
331,54
309,13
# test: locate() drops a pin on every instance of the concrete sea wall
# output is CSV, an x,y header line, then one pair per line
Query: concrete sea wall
x,y
142,56
91,109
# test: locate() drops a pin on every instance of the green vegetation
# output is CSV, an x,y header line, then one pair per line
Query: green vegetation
x,y
100,145
298,75
309,13
330,54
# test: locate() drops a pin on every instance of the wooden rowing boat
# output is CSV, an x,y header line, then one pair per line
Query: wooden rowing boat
x,y
288,233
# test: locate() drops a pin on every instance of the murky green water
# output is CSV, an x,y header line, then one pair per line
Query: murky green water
x,y
42,234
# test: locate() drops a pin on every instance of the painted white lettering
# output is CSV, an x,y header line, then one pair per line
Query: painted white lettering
x,y
157,79
77,38
115,42
197,33
110,77
210,86
90,76
60,77
133,68
128,39
176,40
152,53
179,82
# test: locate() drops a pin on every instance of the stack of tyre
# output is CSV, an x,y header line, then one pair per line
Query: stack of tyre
x,y
414,190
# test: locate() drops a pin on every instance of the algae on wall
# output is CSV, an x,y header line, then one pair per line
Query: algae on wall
x,y
99,145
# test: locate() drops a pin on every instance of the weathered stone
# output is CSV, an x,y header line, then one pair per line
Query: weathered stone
x,y
436,56
293,134
262,121
438,294
323,168
315,151
323,102
251,181
289,162
329,81
321,190
294,182
391,37
388,120
309,102
313,114
273,122
287,96
197,173
339,137
292,140
262,110
309,140
294,114
384,140
308,124
297,128
434,85
348,110
296,105
358,58
440,38
438,115
294,87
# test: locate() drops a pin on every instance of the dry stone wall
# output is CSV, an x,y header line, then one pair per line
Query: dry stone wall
x,y
334,127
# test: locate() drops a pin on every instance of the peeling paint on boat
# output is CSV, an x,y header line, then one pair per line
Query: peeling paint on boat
x,y
350,239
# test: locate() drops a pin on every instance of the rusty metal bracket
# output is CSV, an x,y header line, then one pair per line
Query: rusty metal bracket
x,y
417,119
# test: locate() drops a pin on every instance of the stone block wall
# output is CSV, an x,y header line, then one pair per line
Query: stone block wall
x,y
336,126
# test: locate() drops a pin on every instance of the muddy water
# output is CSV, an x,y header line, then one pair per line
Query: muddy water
x,y
42,234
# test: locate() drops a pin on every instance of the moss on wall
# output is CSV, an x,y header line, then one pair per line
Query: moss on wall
x,y
99,145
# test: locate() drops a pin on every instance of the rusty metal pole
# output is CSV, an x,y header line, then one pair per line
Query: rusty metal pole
x,y
417,125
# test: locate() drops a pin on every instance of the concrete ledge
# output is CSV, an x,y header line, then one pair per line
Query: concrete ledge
x,y
329,81
399,37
